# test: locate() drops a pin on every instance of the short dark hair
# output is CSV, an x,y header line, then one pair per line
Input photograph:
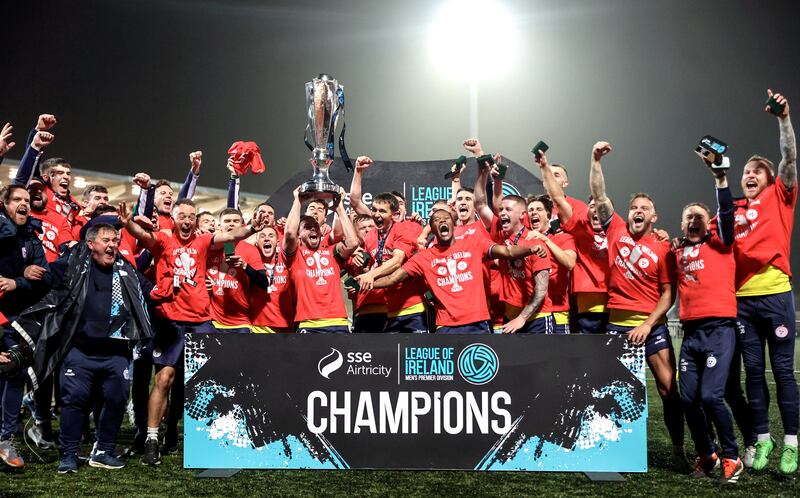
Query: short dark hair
x,y
95,229
162,183
205,213
320,202
466,189
398,194
308,220
433,212
182,202
5,193
387,198
362,217
265,203
104,209
88,191
562,167
49,164
698,204
227,211
642,195
545,200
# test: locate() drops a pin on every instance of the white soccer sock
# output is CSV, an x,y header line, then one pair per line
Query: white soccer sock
x,y
152,433
790,440
759,437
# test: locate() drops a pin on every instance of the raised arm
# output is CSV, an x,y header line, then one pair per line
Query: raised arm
x,y
787,169
29,165
497,184
233,186
455,182
148,239
346,247
481,202
598,184
542,280
725,206
362,163
190,184
6,144
289,244
553,189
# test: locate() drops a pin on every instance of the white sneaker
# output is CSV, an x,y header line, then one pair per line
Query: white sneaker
x,y
35,433
748,456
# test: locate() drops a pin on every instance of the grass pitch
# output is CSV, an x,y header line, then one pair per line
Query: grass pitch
x,y
39,478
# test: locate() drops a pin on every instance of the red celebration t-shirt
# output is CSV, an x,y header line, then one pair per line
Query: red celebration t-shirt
x,y
186,262
230,289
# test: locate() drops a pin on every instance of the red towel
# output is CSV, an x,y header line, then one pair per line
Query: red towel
x,y
246,155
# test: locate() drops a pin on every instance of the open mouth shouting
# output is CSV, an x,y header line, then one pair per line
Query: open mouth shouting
x,y
505,222
750,187
638,222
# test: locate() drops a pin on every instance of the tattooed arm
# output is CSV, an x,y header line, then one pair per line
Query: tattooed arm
x,y
598,184
541,279
787,170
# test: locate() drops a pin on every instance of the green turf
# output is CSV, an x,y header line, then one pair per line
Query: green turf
x,y
170,479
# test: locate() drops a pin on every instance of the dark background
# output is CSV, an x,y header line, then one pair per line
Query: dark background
x,y
136,85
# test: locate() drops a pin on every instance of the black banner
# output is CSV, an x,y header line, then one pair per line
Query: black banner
x,y
415,402
421,182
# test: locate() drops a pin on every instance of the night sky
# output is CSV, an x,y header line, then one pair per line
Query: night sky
x,y
136,85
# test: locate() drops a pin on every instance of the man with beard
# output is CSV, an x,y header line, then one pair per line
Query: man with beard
x,y
591,268
561,247
272,310
389,246
24,275
315,270
453,270
764,224
180,261
93,197
706,271
523,283
233,277
640,292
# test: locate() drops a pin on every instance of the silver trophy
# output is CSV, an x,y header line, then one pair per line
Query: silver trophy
x,y
325,102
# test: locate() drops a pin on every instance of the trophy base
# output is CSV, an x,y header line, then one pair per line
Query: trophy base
x,y
326,191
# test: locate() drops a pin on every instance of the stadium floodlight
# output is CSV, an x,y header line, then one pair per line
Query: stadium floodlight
x,y
473,39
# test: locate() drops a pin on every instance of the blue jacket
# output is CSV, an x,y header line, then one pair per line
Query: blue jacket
x,y
20,247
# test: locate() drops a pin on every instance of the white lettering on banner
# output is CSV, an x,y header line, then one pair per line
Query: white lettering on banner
x,y
453,412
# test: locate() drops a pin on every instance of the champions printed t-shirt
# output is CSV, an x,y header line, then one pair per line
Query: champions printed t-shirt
x,y
186,263
455,276
230,289
403,236
315,276
706,280
56,230
591,268
637,269
763,229
517,274
273,307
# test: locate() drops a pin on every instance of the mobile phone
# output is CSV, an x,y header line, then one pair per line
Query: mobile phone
x,y
485,159
366,259
352,282
539,149
502,168
774,107
460,161
229,249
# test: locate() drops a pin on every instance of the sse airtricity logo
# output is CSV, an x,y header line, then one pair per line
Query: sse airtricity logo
x,y
330,363
478,364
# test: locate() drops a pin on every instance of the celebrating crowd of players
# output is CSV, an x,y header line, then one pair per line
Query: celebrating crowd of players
x,y
106,293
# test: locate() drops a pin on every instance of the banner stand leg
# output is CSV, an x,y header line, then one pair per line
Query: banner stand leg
x,y
217,473
605,476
